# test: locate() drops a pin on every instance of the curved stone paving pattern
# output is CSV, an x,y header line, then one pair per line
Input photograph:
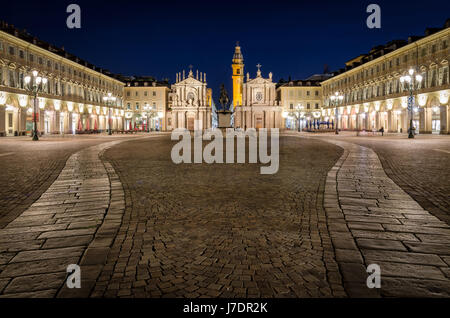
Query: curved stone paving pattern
x,y
252,235
81,219
373,221
82,208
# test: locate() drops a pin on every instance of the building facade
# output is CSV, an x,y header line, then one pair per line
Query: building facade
x,y
260,107
145,101
373,96
72,99
189,100
301,102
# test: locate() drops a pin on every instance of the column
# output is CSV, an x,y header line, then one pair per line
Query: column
x,y
22,119
41,122
2,121
444,113
68,120
57,128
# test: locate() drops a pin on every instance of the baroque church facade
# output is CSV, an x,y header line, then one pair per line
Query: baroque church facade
x,y
189,100
255,100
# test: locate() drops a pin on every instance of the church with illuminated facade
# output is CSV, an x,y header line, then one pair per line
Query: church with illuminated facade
x,y
255,99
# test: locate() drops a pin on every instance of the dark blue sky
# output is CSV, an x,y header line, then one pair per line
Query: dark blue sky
x,y
160,38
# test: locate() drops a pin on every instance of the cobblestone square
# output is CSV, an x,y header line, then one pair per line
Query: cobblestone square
x,y
139,225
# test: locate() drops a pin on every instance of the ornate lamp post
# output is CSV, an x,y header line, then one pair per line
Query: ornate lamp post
x,y
411,83
298,110
335,100
110,101
148,108
35,84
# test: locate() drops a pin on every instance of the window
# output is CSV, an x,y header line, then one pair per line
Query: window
x,y
145,93
31,57
1,46
154,93
137,106
56,66
21,54
308,106
317,105
291,106
424,52
11,50
128,106
136,94
307,93
11,78
433,48
49,64
40,61
128,93
316,93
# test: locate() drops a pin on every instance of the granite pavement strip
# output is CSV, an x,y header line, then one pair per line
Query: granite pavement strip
x,y
373,221
73,222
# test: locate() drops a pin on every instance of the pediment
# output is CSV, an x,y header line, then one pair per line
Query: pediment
x,y
189,81
259,80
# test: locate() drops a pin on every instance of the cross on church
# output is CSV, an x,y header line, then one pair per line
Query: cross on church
x,y
190,67
258,66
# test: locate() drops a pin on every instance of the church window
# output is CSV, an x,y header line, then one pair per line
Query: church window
x,y
128,106
137,106
308,106
145,93
317,93
154,93
128,93
317,105
136,94
291,106
307,93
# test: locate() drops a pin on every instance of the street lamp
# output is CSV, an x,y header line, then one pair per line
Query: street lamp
x,y
335,100
110,101
148,108
35,84
298,109
411,83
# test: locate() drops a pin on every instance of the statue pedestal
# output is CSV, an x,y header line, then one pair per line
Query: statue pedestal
x,y
224,118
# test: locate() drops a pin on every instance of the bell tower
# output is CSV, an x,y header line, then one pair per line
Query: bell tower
x,y
238,75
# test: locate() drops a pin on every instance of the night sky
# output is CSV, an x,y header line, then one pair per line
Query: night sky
x,y
160,38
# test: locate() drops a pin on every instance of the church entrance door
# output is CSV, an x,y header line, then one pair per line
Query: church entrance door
x,y
190,123
259,123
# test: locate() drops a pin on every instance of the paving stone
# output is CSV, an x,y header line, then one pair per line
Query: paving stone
x,y
38,267
35,282
381,244
374,256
